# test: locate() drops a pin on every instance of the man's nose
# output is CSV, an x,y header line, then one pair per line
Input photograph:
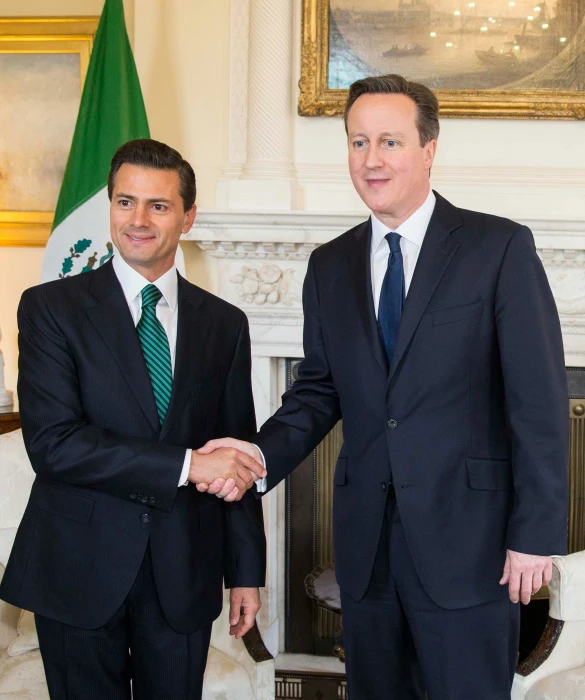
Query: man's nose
x,y
140,217
374,158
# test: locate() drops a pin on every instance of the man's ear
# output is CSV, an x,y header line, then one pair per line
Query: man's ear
x,y
430,150
189,219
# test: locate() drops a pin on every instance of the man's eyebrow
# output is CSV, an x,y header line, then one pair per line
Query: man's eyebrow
x,y
154,200
392,134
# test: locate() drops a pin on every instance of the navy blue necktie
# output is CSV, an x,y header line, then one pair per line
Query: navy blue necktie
x,y
392,295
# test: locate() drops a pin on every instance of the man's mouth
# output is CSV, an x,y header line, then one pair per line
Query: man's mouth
x,y
139,239
377,182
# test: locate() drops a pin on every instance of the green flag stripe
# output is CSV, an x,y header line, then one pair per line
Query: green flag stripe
x,y
111,112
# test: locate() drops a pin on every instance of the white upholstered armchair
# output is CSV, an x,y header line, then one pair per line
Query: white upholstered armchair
x,y
236,669
556,668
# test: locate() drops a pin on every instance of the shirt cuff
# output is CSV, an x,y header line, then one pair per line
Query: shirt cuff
x,y
184,480
261,484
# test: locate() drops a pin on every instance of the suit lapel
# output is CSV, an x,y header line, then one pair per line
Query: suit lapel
x,y
113,320
362,284
436,253
192,359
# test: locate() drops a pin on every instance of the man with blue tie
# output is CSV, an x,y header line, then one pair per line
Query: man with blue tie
x,y
447,368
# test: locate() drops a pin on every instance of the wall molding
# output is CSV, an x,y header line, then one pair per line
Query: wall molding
x,y
293,235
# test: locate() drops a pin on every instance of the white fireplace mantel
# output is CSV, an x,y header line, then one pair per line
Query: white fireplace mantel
x,y
263,260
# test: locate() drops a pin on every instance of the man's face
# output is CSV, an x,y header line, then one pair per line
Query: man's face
x,y
388,166
147,218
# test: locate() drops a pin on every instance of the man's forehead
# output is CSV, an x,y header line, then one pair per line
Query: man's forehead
x,y
141,178
384,112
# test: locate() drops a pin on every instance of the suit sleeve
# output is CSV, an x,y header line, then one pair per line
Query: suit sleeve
x,y
532,361
310,409
61,444
245,541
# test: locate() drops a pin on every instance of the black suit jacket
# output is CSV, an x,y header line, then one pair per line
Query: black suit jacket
x,y
470,422
108,474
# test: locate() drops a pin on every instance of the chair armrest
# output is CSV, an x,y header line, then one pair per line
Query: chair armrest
x,y
249,652
8,613
567,588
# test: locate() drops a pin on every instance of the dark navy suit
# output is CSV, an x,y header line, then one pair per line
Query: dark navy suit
x,y
458,449
106,527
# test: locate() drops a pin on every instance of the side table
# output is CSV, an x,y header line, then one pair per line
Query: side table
x,y
9,419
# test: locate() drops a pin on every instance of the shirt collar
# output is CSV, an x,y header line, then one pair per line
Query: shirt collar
x,y
413,229
133,282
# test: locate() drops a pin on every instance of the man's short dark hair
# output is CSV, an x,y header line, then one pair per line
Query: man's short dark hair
x,y
427,105
149,153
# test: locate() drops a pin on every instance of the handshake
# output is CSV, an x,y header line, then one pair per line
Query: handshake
x,y
226,468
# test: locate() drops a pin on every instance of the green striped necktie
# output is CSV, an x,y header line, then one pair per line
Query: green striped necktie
x,y
155,347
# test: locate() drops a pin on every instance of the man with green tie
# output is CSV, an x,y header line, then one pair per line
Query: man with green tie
x,y
122,372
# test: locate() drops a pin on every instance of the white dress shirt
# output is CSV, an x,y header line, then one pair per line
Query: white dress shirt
x,y
413,232
167,312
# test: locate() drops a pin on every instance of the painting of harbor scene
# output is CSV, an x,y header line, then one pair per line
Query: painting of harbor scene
x,y
515,45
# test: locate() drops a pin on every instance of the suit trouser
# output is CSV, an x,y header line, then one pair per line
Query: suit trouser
x,y
137,648
399,643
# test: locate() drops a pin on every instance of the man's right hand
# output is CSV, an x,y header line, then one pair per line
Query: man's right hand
x,y
236,469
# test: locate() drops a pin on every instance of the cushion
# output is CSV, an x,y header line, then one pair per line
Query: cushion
x,y
568,685
8,613
17,479
567,588
224,679
26,639
23,677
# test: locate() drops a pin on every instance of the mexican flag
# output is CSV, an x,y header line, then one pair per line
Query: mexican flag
x,y
111,112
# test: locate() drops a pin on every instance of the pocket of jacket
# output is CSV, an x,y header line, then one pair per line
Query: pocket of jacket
x,y
67,504
457,313
340,476
490,474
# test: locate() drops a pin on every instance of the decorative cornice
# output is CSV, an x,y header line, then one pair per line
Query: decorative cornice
x,y
249,250
294,235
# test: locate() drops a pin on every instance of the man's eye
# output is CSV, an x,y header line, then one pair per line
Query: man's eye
x,y
358,144
160,207
390,143
124,202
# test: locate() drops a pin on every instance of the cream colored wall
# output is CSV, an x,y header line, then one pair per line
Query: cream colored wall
x,y
182,55
181,49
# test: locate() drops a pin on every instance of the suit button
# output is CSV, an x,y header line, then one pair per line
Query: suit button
x,y
144,499
392,424
133,496
384,486
145,518
152,500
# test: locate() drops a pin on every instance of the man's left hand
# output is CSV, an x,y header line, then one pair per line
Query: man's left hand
x,y
244,606
525,575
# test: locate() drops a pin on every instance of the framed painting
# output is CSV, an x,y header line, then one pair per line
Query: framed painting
x,y
43,63
503,59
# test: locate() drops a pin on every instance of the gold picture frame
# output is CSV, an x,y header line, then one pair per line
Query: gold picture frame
x,y
42,35
317,99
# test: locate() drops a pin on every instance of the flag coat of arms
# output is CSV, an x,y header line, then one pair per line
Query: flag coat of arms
x,y
111,112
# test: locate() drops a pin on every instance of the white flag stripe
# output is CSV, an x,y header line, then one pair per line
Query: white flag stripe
x,y
81,224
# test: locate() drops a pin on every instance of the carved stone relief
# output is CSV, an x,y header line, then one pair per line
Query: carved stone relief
x,y
269,284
